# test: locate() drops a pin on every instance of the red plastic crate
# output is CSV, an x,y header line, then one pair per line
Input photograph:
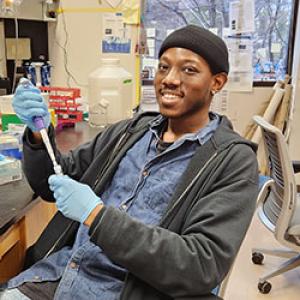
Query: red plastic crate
x,y
63,101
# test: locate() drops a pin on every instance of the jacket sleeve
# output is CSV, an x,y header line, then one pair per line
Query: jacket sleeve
x,y
195,260
37,165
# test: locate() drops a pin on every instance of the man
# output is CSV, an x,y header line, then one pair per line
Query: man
x,y
153,208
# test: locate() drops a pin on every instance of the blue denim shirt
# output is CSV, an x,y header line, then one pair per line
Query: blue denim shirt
x,y
142,186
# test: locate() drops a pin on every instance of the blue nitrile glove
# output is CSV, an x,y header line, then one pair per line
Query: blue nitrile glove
x,y
74,199
28,103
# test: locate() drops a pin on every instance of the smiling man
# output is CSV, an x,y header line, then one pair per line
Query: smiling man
x,y
153,208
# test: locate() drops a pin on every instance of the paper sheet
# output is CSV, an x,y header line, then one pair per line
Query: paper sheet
x,y
116,34
220,103
151,32
240,53
239,82
241,16
150,62
240,59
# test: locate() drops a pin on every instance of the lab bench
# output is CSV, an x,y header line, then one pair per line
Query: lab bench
x,y
23,216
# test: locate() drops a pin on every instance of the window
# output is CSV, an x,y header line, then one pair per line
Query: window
x,y
271,40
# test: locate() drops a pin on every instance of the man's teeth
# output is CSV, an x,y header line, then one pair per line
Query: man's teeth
x,y
170,96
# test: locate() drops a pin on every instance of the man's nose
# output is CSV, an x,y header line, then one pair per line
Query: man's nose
x,y
172,77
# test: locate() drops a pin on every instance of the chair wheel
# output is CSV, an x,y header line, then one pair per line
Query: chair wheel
x,y
257,258
264,287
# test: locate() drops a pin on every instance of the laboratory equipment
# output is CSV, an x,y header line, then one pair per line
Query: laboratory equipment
x,y
10,145
45,73
10,165
39,124
10,170
9,6
65,103
109,93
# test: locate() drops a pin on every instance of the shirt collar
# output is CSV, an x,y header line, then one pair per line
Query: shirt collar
x,y
201,136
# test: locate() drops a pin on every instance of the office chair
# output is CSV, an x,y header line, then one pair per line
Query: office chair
x,y
278,204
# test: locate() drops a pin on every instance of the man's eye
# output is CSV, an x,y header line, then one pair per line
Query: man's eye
x,y
189,70
162,67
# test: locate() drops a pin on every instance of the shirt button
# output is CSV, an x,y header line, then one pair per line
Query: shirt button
x,y
124,206
145,173
73,265
36,277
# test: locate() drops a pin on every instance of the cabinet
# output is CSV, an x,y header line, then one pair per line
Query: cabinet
x,y
21,235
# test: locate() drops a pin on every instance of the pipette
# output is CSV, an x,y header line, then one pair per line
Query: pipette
x,y
39,124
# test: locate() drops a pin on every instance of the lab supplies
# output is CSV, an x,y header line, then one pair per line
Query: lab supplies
x,y
30,72
40,126
10,170
65,102
109,93
45,74
10,145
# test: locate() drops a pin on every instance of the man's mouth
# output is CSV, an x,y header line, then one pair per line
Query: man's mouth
x,y
169,97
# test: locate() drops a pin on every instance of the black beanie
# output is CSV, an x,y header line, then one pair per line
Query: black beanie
x,y
201,41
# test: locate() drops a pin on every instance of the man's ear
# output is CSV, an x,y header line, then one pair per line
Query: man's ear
x,y
219,81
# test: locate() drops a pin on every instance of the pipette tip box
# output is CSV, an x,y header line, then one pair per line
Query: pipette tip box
x,y
10,170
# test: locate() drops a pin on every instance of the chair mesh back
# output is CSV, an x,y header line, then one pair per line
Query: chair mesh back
x,y
273,204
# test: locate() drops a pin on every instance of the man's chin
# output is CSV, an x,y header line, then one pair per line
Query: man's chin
x,y
169,113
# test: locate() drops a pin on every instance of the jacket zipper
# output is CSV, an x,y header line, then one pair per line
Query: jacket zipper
x,y
99,175
57,241
188,187
193,181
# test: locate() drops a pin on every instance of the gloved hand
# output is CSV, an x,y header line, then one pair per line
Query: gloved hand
x,y
28,103
75,200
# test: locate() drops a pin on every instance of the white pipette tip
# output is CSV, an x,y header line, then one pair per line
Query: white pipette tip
x,y
57,169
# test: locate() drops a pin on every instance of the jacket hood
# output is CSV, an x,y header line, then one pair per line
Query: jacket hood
x,y
225,135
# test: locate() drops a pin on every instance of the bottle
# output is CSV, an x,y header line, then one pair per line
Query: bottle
x,y
109,93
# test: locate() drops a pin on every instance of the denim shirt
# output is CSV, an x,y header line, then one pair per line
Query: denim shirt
x,y
142,186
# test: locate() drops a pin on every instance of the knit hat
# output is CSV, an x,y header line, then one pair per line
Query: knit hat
x,y
201,41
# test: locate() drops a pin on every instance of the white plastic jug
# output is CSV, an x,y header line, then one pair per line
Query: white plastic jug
x,y
109,93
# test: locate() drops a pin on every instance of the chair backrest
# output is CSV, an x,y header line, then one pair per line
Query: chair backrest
x,y
277,205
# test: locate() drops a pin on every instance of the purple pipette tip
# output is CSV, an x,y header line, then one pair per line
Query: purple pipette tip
x,y
39,123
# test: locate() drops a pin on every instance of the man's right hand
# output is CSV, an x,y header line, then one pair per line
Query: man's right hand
x,y
28,103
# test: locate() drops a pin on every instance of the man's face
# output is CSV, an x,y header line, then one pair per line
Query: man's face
x,y
183,83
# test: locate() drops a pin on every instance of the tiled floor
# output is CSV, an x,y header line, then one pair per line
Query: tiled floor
x,y
243,281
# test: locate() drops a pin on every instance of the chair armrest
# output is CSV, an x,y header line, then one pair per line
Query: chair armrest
x,y
296,166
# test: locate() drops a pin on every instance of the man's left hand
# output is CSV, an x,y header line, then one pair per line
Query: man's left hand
x,y
75,200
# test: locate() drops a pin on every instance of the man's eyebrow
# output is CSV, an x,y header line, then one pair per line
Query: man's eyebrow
x,y
188,60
